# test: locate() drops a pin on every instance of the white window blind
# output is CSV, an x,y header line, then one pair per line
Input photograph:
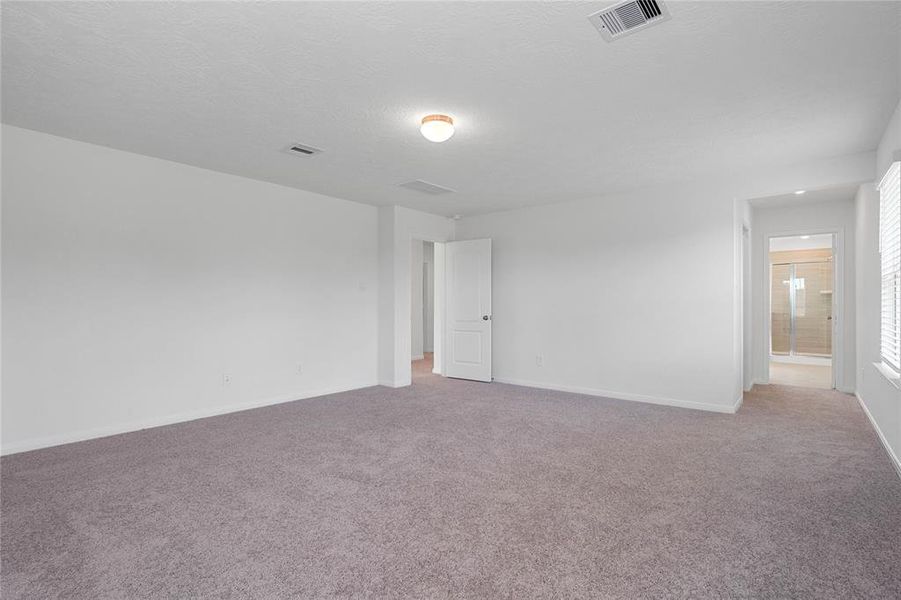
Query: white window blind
x,y
890,258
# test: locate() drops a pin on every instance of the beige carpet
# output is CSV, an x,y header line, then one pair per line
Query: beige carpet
x,y
454,489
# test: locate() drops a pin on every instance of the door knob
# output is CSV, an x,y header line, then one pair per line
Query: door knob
x,y
485,317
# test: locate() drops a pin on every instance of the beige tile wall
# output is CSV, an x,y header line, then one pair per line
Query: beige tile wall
x,y
781,309
813,307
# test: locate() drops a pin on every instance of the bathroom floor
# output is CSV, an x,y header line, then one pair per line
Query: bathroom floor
x,y
801,375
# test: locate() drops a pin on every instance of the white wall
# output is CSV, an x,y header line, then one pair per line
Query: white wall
x,y
422,310
440,301
417,315
629,296
879,397
889,149
744,258
812,242
806,217
428,306
132,285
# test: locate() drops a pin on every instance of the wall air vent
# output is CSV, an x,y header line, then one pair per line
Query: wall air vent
x,y
424,186
628,17
302,150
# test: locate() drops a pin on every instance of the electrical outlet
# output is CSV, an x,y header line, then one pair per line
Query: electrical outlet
x,y
226,379
539,361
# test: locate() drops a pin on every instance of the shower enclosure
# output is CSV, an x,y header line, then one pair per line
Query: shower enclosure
x,y
801,308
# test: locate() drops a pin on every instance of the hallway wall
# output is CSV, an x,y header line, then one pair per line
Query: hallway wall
x,y
877,394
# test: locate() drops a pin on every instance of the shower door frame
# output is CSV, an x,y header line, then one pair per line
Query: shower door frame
x,y
838,300
793,309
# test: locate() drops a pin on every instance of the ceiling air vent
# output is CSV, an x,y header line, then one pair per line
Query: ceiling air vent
x,y
628,17
302,150
424,186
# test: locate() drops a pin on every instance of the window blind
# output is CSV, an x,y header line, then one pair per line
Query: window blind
x,y
890,259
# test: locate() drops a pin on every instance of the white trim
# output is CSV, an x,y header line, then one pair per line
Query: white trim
x,y
418,357
403,324
394,384
888,449
119,428
889,373
719,408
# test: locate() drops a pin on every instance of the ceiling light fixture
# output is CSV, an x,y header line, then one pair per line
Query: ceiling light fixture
x,y
799,192
437,128
805,237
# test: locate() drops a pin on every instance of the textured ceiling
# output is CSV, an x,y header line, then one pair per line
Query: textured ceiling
x,y
546,110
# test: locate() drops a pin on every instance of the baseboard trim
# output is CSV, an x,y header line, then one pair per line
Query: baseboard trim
x,y
719,408
394,384
418,357
888,449
119,428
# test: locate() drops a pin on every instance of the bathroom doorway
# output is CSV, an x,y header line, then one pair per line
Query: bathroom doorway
x,y
802,309
424,308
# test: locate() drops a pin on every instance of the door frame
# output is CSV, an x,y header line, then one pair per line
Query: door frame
x,y
838,299
406,321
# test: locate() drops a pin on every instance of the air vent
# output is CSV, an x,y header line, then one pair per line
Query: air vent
x,y
424,186
302,150
628,17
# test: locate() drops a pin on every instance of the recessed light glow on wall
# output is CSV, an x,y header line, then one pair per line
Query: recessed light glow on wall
x,y
437,128
799,192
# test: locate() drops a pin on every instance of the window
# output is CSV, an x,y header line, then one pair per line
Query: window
x,y
890,259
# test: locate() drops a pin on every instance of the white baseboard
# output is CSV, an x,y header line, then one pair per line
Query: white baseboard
x,y
625,396
395,384
418,357
99,432
888,449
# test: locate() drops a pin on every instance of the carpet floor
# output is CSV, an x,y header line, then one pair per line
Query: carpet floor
x,y
455,489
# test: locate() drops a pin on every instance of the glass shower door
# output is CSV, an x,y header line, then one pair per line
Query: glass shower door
x,y
780,310
813,308
801,309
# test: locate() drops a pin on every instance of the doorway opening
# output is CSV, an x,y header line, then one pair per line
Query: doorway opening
x,y
802,307
423,309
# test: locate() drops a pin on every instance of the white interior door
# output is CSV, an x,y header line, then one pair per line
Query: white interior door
x,y
468,290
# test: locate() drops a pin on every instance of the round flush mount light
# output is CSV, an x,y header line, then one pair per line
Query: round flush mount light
x,y
805,237
799,192
437,128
